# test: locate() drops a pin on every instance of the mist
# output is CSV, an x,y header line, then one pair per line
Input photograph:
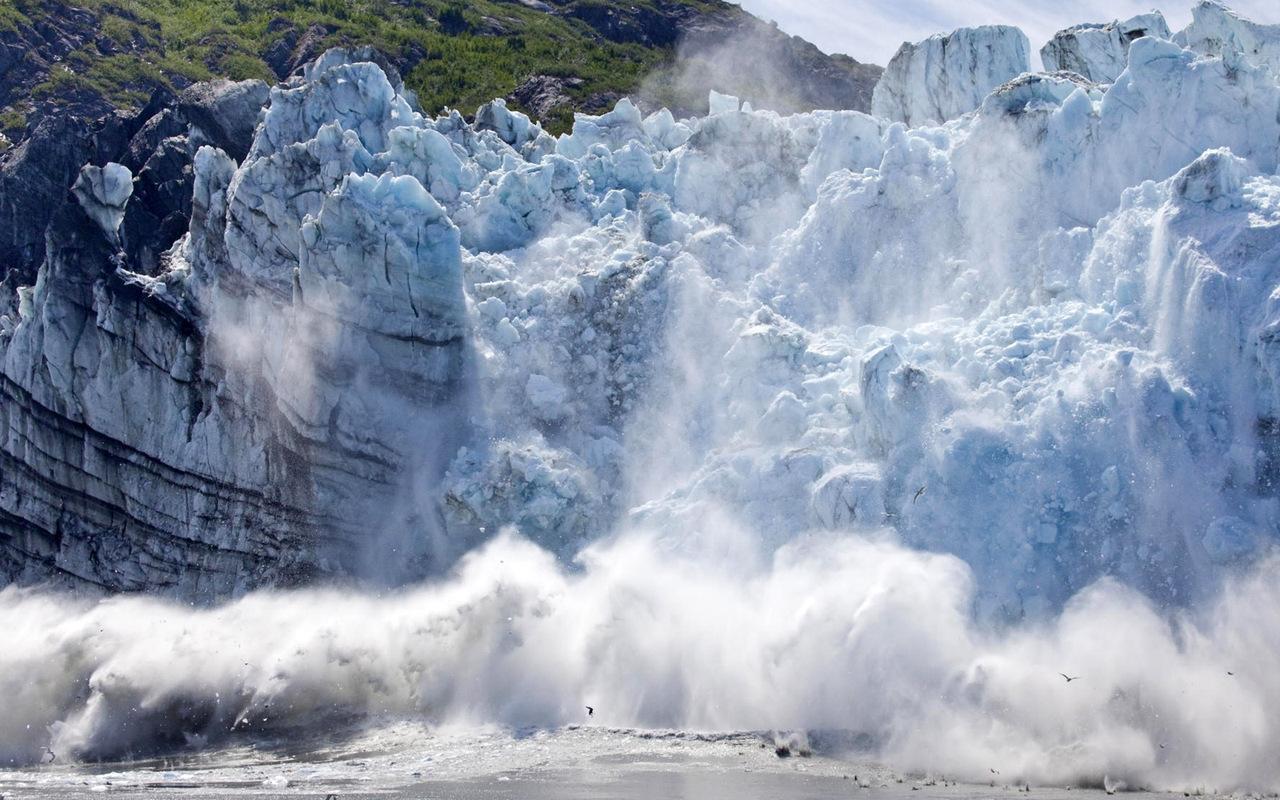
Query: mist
x,y
827,633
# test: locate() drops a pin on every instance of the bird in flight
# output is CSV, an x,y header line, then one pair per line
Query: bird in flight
x,y
1068,677
919,492
590,711
1232,674
994,771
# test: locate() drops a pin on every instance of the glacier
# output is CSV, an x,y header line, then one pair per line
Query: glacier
x,y
902,411
1099,52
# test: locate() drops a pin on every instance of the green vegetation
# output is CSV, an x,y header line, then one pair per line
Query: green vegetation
x,y
465,53
12,121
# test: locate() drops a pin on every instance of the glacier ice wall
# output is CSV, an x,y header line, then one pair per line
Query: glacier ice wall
x,y
942,77
1099,52
987,394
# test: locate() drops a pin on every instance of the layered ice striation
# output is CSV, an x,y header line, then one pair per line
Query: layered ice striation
x,y
1026,319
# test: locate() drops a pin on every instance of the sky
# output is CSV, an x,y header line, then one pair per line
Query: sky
x,y
871,30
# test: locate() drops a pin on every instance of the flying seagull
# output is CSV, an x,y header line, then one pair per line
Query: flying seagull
x,y
1068,677
919,492
1232,674
590,711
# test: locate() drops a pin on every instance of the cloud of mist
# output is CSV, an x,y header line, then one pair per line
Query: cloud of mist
x,y
827,633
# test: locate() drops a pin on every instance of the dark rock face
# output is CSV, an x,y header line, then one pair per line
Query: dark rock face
x,y
722,48
293,49
224,113
29,52
35,176
631,23
756,60
154,144
542,94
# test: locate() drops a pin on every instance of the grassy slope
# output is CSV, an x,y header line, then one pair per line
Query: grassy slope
x,y
470,52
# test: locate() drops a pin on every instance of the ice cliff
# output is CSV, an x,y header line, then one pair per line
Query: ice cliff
x,y
1099,51
942,77
1026,319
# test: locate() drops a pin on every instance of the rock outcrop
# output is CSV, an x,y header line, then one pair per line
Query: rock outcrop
x,y
156,144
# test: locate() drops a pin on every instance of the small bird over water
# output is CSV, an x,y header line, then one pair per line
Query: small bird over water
x,y
591,712
1068,677
919,492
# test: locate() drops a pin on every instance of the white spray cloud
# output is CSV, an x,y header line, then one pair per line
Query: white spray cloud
x,y
830,632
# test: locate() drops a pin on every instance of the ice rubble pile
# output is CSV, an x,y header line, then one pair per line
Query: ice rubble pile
x,y
1041,336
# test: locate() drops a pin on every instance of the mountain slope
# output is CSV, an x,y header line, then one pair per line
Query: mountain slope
x,y
99,53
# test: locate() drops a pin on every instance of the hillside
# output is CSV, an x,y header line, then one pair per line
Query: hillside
x,y
548,58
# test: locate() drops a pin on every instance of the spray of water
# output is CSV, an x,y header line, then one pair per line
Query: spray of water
x,y
829,632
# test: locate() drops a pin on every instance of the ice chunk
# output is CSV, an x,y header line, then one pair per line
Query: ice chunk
x,y
723,103
103,193
383,252
849,495
1217,30
943,77
512,127
1099,52
546,397
1229,539
356,97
